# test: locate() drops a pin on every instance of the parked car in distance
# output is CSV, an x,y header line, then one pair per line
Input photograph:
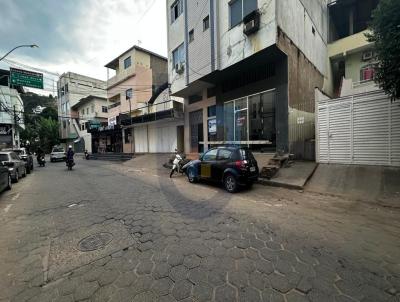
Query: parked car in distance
x,y
235,167
25,156
15,165
5,178
58,153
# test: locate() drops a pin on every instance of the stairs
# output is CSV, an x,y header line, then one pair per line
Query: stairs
x,y
111,156
274,164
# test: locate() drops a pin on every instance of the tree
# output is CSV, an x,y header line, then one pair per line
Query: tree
x,y
50,112
47,130
385,33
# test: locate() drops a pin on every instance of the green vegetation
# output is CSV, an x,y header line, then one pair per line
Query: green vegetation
x,y
40,129
385,33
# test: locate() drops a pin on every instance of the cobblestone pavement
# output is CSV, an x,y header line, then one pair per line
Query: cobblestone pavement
x,y
167,240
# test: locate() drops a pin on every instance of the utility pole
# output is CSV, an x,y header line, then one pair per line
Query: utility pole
x,y
15,127
130,115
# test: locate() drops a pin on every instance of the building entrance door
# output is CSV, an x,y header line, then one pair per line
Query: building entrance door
x,y
196,131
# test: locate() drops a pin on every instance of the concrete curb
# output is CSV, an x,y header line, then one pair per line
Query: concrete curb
x,y
273,183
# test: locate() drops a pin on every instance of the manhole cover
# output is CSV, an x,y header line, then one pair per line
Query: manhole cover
x,y
94,242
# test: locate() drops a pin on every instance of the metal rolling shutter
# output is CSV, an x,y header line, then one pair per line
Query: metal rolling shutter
x,y
363,129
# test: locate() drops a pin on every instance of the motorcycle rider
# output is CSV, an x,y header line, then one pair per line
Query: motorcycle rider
x,y
70,155
39,154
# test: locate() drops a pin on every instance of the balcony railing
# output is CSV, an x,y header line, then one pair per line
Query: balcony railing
x,y
154,112
114,105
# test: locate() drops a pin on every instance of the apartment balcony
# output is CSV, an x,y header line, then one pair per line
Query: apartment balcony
x,y
348,45
122,75
154,112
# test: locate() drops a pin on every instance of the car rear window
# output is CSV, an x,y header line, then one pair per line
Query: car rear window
x,y
3,157
58,150
246,154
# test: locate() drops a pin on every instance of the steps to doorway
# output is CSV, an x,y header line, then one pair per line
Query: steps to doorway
x,y
111,156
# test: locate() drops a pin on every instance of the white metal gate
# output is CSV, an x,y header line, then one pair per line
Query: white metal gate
x,y
362,129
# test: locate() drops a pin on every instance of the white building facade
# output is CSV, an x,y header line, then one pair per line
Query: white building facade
x,y
247,70
71,88
11,117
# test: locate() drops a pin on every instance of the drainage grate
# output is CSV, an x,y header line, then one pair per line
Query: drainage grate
x,y
95,242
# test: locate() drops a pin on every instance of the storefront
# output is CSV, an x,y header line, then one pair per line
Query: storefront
x,y
106,139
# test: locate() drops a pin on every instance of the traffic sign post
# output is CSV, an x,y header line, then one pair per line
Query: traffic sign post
x,y
26,78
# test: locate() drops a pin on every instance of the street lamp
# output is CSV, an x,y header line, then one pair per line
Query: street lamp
x,y
28,45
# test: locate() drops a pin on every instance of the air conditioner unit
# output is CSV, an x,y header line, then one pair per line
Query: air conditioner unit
x,y
251,23
179,68
368,55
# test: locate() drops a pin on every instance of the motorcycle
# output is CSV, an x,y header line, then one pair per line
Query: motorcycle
x,y
70,163
41,161
177,164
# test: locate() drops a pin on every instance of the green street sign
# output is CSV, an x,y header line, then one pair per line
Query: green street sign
x,y
26,78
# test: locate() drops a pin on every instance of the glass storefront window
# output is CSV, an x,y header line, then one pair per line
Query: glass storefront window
x,y
251,118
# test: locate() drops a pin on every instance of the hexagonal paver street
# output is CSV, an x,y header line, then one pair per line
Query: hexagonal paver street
x,y
152,238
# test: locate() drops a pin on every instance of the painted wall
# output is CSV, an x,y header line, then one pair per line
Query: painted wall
x,y
303,78
199,50
176,36
232,45
79,86
297,18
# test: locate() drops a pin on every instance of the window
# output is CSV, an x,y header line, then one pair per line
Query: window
x,y
87,110
66,88
128,94
367,73
83,111
191,35
62,90
104,109
127,62
212,123
206,23
238,9
210,155
224,154
178,56
176,10
92,109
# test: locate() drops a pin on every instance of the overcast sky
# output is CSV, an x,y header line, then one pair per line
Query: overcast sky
x,y
80,35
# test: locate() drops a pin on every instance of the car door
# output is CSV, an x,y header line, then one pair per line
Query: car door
x,y
3,177
223,159
17,162
208,160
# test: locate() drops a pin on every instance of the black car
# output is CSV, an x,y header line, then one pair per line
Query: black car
x,y
5,178
235,167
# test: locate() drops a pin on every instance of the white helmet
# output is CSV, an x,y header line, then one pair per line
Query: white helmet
x,y
69,147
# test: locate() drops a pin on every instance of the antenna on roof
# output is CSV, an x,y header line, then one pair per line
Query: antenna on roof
x,y
139,42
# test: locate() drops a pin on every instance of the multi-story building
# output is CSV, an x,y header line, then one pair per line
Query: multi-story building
x,y
356,122
72,88
141,116
11,113
90,112
351,58
247,70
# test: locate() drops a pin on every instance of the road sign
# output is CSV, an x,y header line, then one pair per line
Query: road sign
x,y
26,78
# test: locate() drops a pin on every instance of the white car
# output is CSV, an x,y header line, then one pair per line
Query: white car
x,y
58,153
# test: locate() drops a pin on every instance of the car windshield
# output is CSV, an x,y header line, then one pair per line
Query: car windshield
x,y
3,157
58,150
19,152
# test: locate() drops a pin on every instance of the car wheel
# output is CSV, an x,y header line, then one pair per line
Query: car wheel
x,y
191,175
230,183
16,177
9,183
